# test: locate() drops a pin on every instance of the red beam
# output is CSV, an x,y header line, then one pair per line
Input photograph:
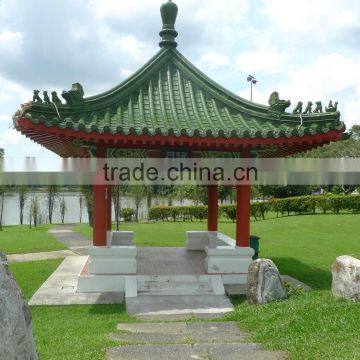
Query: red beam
x,y
207,143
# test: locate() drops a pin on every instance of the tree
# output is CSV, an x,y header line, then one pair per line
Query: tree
x,y
355,132
62,209
224,192
2,199
180,193
34,211
138,192
22,190
348,147
52,193
278,191
116,193
87,190
80,207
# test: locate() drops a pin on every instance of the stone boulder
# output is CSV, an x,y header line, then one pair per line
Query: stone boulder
x,y
16,336
346,278
264,283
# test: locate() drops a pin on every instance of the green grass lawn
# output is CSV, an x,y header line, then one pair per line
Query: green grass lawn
x,y
303,246
67,332
20,239
310,325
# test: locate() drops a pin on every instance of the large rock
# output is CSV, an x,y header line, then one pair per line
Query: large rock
x,y
264,283
16,336
346,278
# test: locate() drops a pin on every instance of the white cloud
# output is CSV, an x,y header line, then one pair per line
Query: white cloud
x,y
10,43
8,37
329,75
261,60
213,60
216,11
208,11
13,91
10,137
5,117
259,96
119,9
351,111
135,48
319,20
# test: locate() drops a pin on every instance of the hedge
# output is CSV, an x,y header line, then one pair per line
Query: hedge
x,y
287,206
175,213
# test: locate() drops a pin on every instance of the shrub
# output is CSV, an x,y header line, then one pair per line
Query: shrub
x,y
127,214
259,209
199,212
229,211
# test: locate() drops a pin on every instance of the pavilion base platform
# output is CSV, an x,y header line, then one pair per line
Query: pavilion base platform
x,y
209,261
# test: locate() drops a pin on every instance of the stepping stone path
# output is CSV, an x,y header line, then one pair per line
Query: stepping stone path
x,y
181,340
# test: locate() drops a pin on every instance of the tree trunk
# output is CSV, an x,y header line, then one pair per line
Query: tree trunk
x,y
81,207
2,210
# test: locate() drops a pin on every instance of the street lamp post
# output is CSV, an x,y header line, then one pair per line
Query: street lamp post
x,y
251,79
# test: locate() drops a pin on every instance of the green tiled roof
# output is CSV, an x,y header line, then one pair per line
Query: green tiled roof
x,y
169,96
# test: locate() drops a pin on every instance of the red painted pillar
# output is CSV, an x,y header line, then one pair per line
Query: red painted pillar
x,y
108,207
212,207
100,208
243,197
99,215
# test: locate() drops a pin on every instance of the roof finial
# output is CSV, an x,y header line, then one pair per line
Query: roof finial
x,y
168,33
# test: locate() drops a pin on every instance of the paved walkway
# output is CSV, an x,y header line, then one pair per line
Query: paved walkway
x,y
47,255
76,242
181,340
60,287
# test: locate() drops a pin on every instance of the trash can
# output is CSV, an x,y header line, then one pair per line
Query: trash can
x,y
254,244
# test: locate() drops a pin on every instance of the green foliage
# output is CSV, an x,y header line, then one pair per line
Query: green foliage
x,y
287,206
164,213
279,191
337,190
127,214
229,211
259,209
199,212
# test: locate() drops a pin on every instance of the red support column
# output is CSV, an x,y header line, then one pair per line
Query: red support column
x,y
212,207
99,215
108,207
99,208
243,197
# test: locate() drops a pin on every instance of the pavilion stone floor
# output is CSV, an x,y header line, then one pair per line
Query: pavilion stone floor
x,y
169,261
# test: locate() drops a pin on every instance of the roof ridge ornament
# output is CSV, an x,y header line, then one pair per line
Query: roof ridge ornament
x,y
169,11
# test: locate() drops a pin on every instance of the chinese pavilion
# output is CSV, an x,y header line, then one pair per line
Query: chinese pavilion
x,y
169,104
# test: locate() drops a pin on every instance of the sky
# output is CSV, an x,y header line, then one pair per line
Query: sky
x,y
306,50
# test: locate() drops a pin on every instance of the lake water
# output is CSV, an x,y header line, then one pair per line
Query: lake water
x,y
72,215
